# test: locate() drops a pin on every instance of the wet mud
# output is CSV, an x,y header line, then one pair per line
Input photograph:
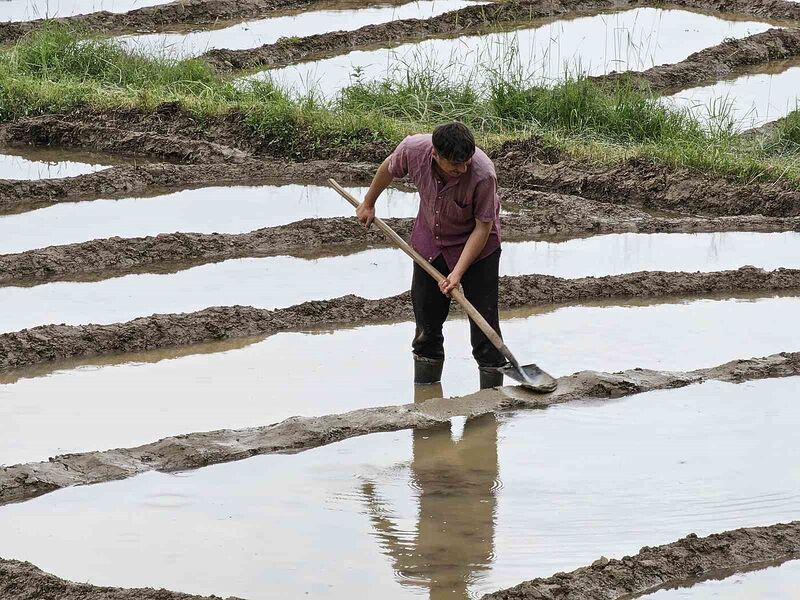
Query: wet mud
x,y
643,183
716,62
162,16
18,196
194,450
48,343
690,557
522,164
544,217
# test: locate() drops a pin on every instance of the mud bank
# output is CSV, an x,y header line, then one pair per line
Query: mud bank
x,y
23,581
716,62
118,182
162,16
551,217
470,20
643,183
688,558
58,342
194,450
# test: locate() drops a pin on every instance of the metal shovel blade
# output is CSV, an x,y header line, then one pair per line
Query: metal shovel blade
x,y
531,377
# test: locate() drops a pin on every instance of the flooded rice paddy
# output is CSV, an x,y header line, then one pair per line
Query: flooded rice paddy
x,y
451,512
129,400
748,101
251,34
26,10
33,164
594,45
774,582
373,274
234,209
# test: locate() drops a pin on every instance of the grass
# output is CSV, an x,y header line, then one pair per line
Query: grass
x,y
57,69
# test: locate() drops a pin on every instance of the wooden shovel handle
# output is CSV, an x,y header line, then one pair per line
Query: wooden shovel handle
x,y
457,294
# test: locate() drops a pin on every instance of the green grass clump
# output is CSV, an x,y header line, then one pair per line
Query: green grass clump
x,y
788,133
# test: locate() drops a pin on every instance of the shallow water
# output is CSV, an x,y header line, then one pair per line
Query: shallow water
x,y
26,10
446,513
106,405
252,34
633,39
236,209
747,101
776,582
374,274
42,164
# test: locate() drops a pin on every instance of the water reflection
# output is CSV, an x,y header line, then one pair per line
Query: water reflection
x,y
456,480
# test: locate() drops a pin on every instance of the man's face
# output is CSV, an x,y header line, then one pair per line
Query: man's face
x,y
450,168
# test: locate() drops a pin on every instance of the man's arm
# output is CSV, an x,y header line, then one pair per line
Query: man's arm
x,y
472,250
383,179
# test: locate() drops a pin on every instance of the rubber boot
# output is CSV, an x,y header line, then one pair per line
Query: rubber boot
x,y
427,370
490,377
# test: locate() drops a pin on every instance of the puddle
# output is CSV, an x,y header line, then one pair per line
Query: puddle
x,y
33,164
252,34
782,581
27,10
373,274
634,39
169,392
748,101
235,209
428,516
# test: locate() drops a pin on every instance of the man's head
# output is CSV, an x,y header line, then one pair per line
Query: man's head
x,y
453,147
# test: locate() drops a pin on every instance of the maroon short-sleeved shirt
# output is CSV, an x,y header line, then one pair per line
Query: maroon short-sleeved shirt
x,y
448,208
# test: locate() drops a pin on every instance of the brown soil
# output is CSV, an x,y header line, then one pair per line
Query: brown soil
x,y
48,343
644,183
546,216
716,62
689,558
23,581
194,450
172,133
469,20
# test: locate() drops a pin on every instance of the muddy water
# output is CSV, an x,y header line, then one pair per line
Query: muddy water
x,y
777,582
252,34
446,513
38,164
746,101
373,274
234,209
26,10
107,405
633,39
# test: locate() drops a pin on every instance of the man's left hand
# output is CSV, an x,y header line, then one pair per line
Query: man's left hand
x,y
449,283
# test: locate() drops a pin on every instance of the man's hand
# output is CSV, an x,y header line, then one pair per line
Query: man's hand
x,y
365,214
449,283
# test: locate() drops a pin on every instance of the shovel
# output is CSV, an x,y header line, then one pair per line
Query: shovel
x,y
530,376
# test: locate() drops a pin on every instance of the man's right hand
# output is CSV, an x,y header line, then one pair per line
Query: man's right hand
x,y
365,214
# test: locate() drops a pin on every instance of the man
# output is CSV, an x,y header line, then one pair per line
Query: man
x,y
458,231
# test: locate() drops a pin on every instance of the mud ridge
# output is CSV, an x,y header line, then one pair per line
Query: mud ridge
x,y
545,217
643,183
18,196
469,20
194,450
53,130
689,558
23,581
160,17
48,343
714,63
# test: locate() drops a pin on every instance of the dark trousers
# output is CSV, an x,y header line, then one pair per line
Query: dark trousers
x,y
431,308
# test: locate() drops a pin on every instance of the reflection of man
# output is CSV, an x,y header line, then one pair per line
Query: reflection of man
x,y
454,540
458,231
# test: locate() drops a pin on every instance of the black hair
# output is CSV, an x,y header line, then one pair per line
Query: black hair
x,y
454,142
